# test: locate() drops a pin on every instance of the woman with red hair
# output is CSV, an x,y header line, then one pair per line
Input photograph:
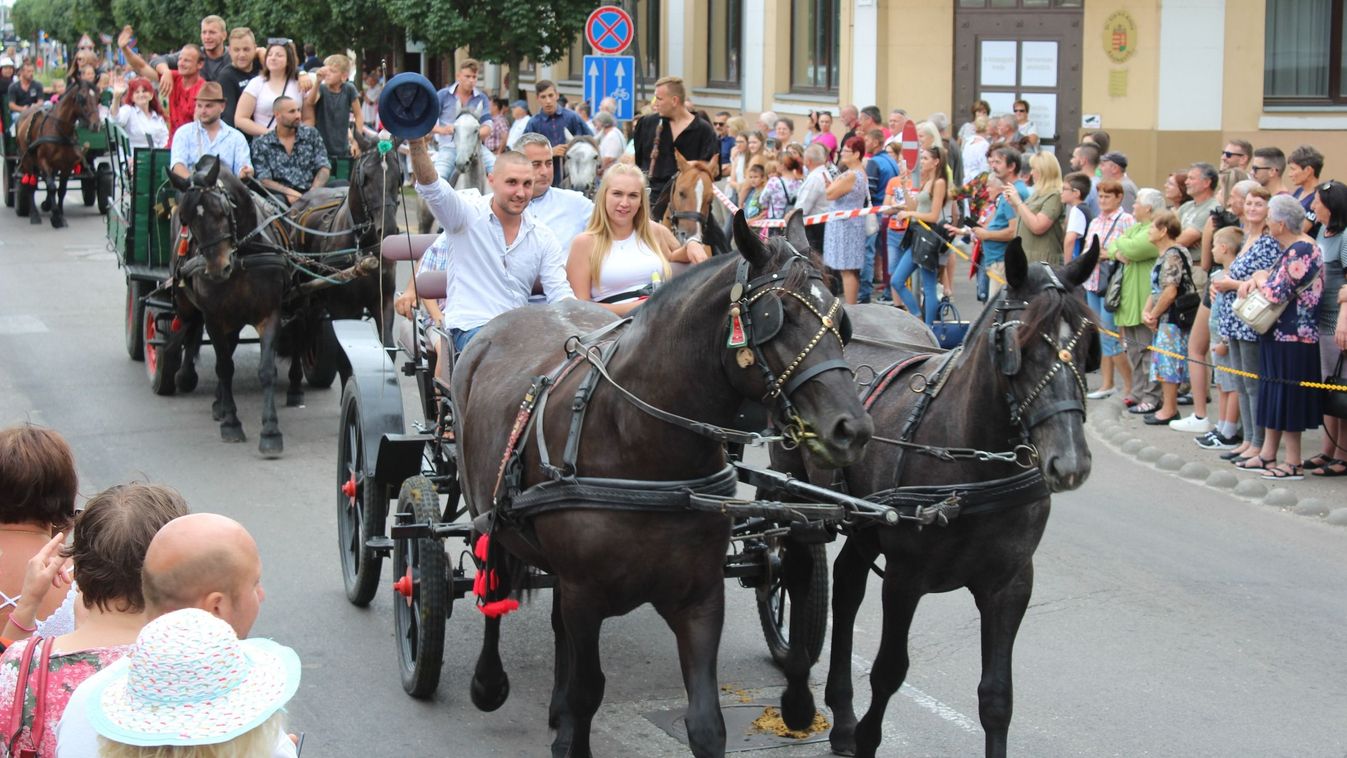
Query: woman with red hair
x,y
143,118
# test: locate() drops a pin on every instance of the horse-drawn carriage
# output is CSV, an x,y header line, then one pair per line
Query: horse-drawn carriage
x,y
93,175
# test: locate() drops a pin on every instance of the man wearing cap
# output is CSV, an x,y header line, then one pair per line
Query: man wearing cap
x,y
186,80
519,112
460,96
555,122
291,159
203,561
208,135
498,248
1114,166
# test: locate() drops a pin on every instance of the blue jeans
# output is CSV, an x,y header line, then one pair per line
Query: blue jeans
x,y
1109,345
984,281
461,337
868,269
900,268
447,154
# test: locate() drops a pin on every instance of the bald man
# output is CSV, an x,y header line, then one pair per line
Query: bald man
x,y
203,560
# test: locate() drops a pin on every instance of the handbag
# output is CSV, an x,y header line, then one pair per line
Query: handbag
x,y
926,245
1335,401
1107,267
871,219
12,737
1260,313
1183,311
948,327
1114,291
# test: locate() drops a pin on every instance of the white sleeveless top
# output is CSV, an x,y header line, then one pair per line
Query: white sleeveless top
x,y
628,267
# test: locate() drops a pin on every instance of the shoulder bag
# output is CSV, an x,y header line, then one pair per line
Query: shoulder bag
x,y
1183,311
1260,313
871,219
1107,268
17,746
1335,401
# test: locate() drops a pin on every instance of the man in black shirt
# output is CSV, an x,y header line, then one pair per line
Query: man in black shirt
x,y
23,92
671,128
243,67
215,58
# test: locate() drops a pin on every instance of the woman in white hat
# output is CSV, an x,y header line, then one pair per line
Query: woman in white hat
x,y
190,684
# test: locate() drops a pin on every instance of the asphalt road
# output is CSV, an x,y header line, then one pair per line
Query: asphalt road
x,y
1168,620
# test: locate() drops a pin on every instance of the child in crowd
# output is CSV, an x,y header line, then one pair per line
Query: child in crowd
x,y
757,177
336,106
1075,188
1225,245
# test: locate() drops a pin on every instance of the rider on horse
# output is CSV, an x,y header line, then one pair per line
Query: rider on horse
x,y
460,96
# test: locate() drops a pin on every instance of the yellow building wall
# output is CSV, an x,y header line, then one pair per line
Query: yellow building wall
x,y
1130,118
916,58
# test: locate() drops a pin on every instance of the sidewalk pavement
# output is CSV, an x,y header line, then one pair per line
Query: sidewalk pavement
x,y
1175,453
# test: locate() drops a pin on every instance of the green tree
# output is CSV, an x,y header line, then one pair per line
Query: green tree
x,y
502,31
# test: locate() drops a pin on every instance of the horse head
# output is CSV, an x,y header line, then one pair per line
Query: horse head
x,y
79,104
690,196
582,165
1042,340
376,189
785,334
467,138
214,206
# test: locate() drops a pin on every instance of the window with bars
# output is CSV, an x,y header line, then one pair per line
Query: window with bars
x,y
814,45
723,54
1303,57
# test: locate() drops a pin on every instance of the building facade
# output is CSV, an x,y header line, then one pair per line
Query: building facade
x,y
1170,80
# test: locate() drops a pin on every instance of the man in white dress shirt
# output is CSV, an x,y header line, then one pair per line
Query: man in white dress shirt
x,y
498,248
565,212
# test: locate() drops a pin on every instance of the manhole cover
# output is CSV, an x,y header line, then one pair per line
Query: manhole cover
x,y
740,736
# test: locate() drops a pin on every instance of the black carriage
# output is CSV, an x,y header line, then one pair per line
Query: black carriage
x,y
140,202
387,467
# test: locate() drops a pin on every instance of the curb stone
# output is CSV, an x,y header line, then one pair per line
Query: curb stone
x,y
1338,517
1170,462
1250,488
1150,454
1223,479
1133,446
1280,497
1119,436
1194,470
1312,506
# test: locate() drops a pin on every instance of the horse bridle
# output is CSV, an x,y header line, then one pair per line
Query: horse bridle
x,y
755,318
1004,345
672,217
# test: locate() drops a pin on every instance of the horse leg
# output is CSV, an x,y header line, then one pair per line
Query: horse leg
x,y
797,701
697,628
1002,611
271,444
34,210
890,669
294,395
558,716
584,690
58,204
850,573
187,378
490,686
224,410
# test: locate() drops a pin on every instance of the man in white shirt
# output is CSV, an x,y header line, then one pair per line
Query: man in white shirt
x,y
202,560
565,212
813,197
498,249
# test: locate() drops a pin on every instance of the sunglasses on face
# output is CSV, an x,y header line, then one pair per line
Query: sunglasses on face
x,y
1020,110
720,124
1256,169
1228,154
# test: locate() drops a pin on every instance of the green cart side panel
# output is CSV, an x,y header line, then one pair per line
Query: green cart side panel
x,y
135,229
341,167
92,141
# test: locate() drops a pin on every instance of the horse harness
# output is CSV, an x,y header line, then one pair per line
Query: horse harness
x,y
268,253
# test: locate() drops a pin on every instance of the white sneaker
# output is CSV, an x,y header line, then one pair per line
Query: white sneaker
x,y
1101,394
1191,423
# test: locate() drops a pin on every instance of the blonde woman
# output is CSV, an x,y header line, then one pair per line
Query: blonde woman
x,y
1041,216
616,258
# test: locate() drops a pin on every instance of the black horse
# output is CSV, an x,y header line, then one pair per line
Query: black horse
x,y
1016,390
237,275
673,356
45,137
351,222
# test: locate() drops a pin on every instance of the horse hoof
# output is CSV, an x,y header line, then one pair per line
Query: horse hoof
x,y
216,411
844,743
490,696
34,220
187,381
46,205
232,432
58,223
797,708
271,445
294,399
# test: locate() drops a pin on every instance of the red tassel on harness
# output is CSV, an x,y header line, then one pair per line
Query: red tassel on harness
x,y
184,241
487,581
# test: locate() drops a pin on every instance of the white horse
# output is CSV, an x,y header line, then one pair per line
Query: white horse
x,y
468,170
582,165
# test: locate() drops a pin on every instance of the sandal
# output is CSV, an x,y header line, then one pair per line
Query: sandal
x,y
1142,409
1287,471
1248,463
1332,467
1318,461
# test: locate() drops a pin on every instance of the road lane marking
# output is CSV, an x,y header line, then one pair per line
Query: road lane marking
x,y
932,704
22,324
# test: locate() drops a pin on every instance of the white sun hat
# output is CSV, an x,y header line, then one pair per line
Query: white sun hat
x,y
189,680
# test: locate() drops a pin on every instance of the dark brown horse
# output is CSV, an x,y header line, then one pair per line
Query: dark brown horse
x,y
673,355
236,276
1017,386
45,137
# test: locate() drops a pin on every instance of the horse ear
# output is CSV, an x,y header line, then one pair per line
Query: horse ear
x,y
1017,265
213,173
1079,269
795,231
746,239
682,162
180,184
366,144
714,165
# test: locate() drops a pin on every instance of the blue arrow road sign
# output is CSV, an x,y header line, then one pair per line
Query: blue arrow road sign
x,y
611,76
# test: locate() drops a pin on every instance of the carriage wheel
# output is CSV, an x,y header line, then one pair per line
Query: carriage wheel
x,y
161,363
103,187
136,290
11,188
88,189
320,356
23,200
774,602
421,593
362,505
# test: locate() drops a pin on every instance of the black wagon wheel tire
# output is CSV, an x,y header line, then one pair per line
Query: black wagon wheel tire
x,y
320,357
88,189
136,290
421,594
11,187
362,507
103,187
774,603
23,199
161,363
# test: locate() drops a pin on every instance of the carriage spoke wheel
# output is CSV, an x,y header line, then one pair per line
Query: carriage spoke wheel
x,y
320,356
136,290
161,362
775,602
421,594
361,507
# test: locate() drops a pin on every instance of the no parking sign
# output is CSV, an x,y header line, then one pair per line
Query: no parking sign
x,y
609,30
